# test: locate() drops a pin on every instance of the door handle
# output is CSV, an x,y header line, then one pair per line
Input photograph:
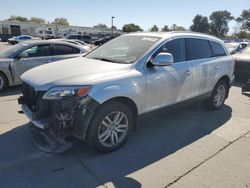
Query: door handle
x,y
48,61
188,72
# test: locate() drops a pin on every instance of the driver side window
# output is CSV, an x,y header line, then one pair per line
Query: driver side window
x,y
176,47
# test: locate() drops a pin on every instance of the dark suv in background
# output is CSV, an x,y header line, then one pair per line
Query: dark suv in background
x,y
85,38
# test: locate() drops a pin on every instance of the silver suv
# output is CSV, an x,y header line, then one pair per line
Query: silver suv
x,y
97,98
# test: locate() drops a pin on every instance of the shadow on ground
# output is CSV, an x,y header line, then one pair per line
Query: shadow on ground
x,y
15,90
158,135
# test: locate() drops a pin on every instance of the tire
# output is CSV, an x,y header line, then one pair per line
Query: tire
x,y
218,96
104,135
3,82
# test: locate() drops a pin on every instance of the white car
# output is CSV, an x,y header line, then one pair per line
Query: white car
x,y
98,97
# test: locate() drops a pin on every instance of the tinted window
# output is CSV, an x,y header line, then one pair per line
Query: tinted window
x,y
198,49
64,50
86,37
217,49
177,48
25,37
72,37
38,51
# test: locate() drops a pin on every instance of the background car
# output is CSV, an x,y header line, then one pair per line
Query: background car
x,y
85,38
14,61
234,47
242,64
88,47
21,38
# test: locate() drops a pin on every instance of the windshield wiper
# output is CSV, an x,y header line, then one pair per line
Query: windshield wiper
x,y
106,59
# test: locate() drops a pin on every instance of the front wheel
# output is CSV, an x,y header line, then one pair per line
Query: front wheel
x,y
3,82
110,127
218,96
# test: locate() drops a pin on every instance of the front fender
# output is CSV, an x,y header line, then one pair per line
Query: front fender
x,y
129,89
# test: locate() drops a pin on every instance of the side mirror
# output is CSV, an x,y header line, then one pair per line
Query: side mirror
x,y
23,55
163,59
233,52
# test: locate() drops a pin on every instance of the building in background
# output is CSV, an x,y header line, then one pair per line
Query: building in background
x,y
15,28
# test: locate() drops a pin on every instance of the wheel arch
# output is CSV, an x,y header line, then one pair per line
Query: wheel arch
x,y
6,78
129,103
226,79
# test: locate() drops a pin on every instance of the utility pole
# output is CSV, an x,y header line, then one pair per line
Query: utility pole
x,y
112,24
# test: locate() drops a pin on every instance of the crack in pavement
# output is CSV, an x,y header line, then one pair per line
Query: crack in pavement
x,y
195,167
90,171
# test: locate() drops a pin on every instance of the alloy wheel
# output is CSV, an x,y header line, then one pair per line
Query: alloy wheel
x,y
113,129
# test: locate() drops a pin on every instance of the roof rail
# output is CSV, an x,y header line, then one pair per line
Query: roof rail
x,y
192,32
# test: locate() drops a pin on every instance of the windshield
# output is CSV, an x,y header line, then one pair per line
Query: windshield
x,y
246,51
124,49
7,53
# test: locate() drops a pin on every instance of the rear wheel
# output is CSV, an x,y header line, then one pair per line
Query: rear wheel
x,y
218,97
110,127
3,82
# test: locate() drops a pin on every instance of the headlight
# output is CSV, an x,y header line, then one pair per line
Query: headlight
x,y
66,92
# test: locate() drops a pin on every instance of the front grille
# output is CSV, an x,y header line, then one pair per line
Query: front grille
x,y
31,96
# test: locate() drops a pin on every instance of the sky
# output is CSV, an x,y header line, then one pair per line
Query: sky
x,y
145,13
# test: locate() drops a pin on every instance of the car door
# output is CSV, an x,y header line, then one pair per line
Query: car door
x,y
203,65
169,84
34,56
63,51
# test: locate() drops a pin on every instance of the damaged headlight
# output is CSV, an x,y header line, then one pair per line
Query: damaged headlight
x,y
66,92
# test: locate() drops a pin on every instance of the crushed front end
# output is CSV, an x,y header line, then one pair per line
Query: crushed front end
x,y
55,122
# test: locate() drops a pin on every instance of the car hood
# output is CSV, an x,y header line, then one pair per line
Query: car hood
x,y
5,60
72,72
240,57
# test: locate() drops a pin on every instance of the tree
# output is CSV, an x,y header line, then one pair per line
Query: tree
x,y
37,20
17,18
219,22
175,27
165,28
60,21
244,20
154,28
243,35
131,28
101,26
200,24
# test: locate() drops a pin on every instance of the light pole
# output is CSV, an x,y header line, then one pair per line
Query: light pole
x,y
112,23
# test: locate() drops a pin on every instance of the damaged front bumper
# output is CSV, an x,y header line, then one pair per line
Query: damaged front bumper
x,y
56,122
42,124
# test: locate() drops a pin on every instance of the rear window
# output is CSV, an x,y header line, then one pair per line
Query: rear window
x,y
198,49
217,49
64,50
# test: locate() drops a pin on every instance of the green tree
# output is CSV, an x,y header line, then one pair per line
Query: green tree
x,y
200,24
244,20
175,27
219,22
131,28
60,21
37,20
17,18
243,35
165,28
154,28
101,26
